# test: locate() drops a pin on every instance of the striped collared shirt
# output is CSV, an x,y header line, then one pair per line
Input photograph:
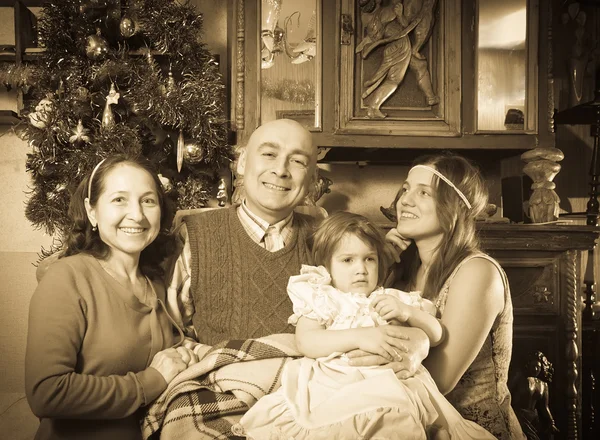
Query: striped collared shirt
x,y
258,229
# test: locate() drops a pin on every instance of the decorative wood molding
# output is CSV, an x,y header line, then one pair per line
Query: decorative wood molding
x,y
240,65
550,72
534,284
571,347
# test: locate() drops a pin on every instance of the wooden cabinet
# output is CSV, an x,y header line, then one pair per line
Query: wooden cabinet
x,y
17,46
544,268
330,92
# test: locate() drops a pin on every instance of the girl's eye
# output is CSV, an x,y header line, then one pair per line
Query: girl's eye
x,y
424,193
371,259
268,154
119,199
149,201
347,260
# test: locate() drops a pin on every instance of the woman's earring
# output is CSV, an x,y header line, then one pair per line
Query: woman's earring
x,y
94,228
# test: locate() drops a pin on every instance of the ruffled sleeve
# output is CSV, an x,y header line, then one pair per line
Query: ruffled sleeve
x,y
313,296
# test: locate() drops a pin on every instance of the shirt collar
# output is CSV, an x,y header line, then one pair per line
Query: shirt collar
x,y
256,226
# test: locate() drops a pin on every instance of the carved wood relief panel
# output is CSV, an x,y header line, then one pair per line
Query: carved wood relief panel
x,y
534,284
400,74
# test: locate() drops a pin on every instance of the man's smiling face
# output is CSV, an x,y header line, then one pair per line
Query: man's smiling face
x,y
278,165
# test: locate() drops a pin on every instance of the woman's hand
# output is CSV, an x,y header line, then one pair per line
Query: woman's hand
x,y
382,341
169,363
187,355
395,244
389,307
406,364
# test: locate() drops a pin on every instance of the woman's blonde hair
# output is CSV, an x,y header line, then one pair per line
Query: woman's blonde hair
x,y
332,230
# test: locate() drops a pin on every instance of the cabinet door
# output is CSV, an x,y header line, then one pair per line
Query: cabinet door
x,y
278,63
400,73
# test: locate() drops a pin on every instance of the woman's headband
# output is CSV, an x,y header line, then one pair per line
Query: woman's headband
x,y
92,178
445,179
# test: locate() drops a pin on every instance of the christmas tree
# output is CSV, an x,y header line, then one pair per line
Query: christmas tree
x,y
122,77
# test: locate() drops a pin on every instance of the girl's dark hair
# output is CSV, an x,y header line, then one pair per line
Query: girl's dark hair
x,y
331,231
82,239
457,221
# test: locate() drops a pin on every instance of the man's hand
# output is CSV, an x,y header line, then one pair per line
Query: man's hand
x,y
417,346
395,245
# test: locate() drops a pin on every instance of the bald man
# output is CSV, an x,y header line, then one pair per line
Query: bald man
x,y
230,279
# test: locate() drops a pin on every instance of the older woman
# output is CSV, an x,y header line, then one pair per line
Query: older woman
x,y
100,342
436,209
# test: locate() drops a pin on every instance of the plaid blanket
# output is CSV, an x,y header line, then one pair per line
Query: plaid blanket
x,y
208,398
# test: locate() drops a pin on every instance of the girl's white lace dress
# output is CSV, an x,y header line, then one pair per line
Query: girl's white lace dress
x,y
326,398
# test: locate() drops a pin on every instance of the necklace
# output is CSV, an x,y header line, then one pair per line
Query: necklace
x,y
141,296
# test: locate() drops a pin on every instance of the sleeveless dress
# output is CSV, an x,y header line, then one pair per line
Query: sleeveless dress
x,y
326,398
482,394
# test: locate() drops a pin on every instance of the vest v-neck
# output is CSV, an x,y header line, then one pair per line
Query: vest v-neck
x,y
239,229
126,295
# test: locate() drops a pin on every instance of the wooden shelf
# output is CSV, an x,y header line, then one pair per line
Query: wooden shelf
x,y
28,3
8,57
8,117
33,53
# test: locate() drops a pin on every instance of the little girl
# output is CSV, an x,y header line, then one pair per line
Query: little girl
x,y
338,308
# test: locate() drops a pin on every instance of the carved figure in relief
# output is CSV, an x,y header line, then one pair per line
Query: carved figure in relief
x,y
531,399
392,25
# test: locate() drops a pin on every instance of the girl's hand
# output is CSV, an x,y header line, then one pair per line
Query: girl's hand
x,y
395,244
389,307
168,363
383,341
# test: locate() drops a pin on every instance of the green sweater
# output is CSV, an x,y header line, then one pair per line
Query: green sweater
x,y
89,347
239,288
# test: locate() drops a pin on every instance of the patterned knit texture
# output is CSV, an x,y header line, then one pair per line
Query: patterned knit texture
x,y
239,288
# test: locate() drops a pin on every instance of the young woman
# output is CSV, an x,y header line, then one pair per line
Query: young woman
x,y
339,307
436,210
100,343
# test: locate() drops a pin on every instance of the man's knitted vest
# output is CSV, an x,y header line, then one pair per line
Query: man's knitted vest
x,y
240,288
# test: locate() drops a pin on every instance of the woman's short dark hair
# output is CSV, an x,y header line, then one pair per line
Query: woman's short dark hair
x,y
332,230
82,239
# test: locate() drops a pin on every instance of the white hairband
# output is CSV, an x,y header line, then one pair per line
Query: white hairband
x,y
445,179
92,178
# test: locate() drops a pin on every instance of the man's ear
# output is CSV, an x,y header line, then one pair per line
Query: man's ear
x,y
241,162
91,212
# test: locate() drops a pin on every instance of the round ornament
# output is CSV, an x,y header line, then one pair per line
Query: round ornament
x,y
96,48
193,153
127,27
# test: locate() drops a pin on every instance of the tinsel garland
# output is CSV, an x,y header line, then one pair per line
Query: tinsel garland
x,y
193,192
12,76
149,115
